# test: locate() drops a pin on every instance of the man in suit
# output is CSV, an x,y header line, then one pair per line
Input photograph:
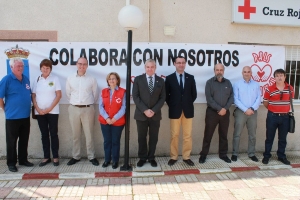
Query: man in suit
x,y
181,93
149,95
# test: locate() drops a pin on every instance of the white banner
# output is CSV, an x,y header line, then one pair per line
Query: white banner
x,y
269,12
107,57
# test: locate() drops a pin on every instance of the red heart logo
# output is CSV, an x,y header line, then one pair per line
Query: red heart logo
x,y
261,74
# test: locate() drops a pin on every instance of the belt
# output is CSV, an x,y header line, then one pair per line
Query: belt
x,y
82,106
279,114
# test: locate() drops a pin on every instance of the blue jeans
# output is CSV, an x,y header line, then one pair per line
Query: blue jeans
x,y
48,125
273,122
111,135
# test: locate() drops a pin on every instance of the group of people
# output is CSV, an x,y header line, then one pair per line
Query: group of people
x,y
149,93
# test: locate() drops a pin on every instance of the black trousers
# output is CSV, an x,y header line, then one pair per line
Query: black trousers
x,y
17,129
48,124
212,119
143,127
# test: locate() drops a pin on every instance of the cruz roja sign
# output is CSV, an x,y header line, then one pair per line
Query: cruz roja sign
x,y
268,12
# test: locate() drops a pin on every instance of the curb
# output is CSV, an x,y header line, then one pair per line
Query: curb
x,y
28,176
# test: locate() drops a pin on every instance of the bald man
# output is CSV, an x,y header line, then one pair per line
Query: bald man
x,y
247,100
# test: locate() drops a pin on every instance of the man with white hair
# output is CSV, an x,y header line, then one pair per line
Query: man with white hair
x,y
15,101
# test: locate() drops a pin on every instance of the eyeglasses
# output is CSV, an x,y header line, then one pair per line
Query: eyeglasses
x,y
112,79
281,94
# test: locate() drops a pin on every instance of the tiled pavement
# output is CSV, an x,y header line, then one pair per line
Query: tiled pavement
x,y
265,184
272,181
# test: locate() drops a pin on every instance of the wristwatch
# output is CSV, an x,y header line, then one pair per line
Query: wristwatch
x,y
252,109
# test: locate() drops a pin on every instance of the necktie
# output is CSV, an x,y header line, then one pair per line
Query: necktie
x,y
181,84
150,84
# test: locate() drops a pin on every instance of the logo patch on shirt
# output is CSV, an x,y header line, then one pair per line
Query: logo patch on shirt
x,y
27,87
118,100
51,83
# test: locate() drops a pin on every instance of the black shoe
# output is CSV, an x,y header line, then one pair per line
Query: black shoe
x,y
45,163
94,161
26,163
254,158
105,164
172,162
189,162
226,159
73,161
56,163
12,168
141,163
202,159
265,160
115,165
153,163
284,161
234,158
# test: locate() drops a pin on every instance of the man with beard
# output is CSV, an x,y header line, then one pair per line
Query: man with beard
x,y
219,97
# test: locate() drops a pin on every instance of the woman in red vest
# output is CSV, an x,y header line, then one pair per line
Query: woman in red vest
x,y
112,106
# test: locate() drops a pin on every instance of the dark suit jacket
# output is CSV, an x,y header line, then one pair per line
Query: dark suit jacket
x,y
144,100
177,102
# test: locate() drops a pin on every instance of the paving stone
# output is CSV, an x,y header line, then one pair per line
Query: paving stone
x,y
265,173
284,172
169,187
100,181
24,183
53,183
190,187
9,183
213,185
287,190
186,178
71,191
75,182
203,177
94,198
234,184
143,180
122,197
255,182
95,190
195,195
46,191
220,194
124,189
246,174
5,191
245,193
267,192
178,196
146,197
276,180
227,176
22,192
144,189
164,179
118,181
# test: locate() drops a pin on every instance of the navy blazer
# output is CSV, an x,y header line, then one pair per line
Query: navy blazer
x,y
144,100
178,102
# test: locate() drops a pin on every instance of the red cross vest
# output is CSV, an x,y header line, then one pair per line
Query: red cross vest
x,y
114,106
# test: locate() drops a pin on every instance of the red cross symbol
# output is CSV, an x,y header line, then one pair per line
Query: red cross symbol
x,y
247,9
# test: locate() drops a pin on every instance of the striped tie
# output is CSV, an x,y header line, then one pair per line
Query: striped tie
x,y
150,84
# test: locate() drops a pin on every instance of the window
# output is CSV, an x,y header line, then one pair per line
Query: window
x,y
292,67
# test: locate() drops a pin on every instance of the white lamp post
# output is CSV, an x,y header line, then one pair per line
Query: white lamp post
x,y
130,17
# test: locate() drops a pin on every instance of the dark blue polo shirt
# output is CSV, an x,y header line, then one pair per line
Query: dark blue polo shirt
x,y
16,95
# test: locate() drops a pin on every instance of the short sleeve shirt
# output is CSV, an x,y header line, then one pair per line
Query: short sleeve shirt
x,y
45,90
279,101
16,95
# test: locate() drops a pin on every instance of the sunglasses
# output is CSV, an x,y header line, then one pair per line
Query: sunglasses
x,y
281,94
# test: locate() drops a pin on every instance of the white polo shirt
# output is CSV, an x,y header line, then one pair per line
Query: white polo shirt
x,y
45,92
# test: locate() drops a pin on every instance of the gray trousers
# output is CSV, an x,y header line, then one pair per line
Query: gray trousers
x,y
82,119
251,122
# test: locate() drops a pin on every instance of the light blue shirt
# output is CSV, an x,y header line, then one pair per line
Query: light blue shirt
x,y
120,113
246,95
148,79
178,78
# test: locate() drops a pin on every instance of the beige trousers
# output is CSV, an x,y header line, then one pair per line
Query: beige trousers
x,y
82,119
175,125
